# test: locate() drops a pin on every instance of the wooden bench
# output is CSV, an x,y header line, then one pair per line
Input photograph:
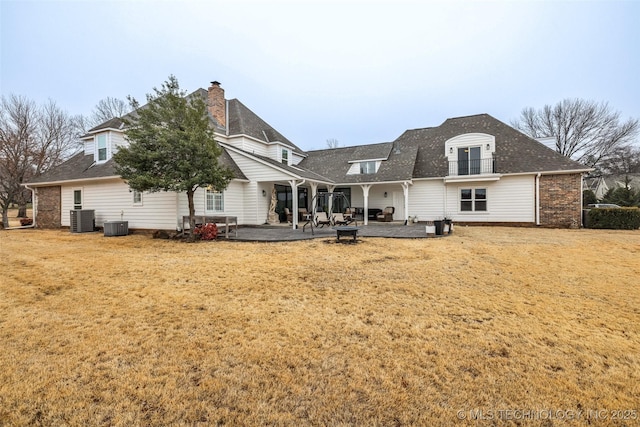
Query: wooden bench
x,y
230,222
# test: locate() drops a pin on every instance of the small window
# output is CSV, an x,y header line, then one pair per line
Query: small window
x,y
77,199
102,147
473,200
137,198
367,167
214,201
285,156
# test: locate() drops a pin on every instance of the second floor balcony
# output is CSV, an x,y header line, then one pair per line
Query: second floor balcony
x,y
463,168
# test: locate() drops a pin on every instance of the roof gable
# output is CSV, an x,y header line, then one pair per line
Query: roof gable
x,y
244,121
335,163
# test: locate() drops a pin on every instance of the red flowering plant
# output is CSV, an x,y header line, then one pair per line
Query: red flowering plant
x,y
207,231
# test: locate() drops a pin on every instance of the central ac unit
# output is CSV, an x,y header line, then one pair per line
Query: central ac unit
x,y
82,220
116,228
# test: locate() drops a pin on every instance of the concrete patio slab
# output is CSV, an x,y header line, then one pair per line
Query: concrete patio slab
x,y
283,234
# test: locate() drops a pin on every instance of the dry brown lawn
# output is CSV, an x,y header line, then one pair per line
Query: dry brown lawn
x,y
133,331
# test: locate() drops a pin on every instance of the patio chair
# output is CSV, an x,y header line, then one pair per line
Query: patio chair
x,y
339,219
350,213
289,215
303,214
386,215
322,219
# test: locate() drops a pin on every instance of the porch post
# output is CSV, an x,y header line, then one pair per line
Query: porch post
x,y
405,190
314,192
365,193
294,205
330,189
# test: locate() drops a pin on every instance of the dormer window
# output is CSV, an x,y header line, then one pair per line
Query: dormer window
x,y
285,156
101,142
367,167
364,167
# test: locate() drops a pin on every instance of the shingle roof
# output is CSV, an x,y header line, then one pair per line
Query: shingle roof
x,y
515,151
244,121
115,123
81,167
78,167
297,170
334,163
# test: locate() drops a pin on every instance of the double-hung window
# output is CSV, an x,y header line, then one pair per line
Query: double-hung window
x,y
102,147
77,199
137,198
214,201
473,200
285,156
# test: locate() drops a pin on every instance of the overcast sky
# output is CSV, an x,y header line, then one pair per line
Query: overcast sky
x,y
357,71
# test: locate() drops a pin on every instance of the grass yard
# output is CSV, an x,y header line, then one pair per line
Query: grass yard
x,y
515,326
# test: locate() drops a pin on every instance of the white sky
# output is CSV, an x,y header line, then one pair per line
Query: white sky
x,y
358,71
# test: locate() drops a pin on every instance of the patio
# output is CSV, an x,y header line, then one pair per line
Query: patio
x,y
286,233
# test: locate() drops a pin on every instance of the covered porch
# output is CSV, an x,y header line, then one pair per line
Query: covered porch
x,y
291,199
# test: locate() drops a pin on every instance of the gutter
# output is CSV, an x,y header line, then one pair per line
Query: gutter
x,y
34,209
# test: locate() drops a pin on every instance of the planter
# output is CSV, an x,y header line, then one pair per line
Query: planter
x,y
430,229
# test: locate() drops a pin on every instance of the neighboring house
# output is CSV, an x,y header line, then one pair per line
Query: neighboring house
x,y
600,185
472,169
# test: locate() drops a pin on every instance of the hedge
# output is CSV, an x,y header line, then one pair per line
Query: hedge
x,y
614,218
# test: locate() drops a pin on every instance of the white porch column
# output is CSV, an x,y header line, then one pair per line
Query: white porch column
x,y
314,192
405,190
330,189
294,204
365,193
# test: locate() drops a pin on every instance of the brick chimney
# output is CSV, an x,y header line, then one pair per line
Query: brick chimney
x,y
217,104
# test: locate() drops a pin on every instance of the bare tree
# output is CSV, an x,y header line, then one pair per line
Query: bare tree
x,y
32,140
585,131
332,143
107,109
622,161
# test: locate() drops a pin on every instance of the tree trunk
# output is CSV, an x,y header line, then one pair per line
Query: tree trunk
x,y
192,213
5,218
22,210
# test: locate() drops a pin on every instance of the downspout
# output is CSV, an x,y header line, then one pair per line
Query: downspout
x,y
179,217
34,209
538,198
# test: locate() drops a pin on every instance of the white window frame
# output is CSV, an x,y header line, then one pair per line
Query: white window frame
x,y
366,166
213,198
285,156
473,200
73,198
139,196
105,148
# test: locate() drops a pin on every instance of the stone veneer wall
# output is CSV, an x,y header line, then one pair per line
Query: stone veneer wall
x,y
561,200
49,207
